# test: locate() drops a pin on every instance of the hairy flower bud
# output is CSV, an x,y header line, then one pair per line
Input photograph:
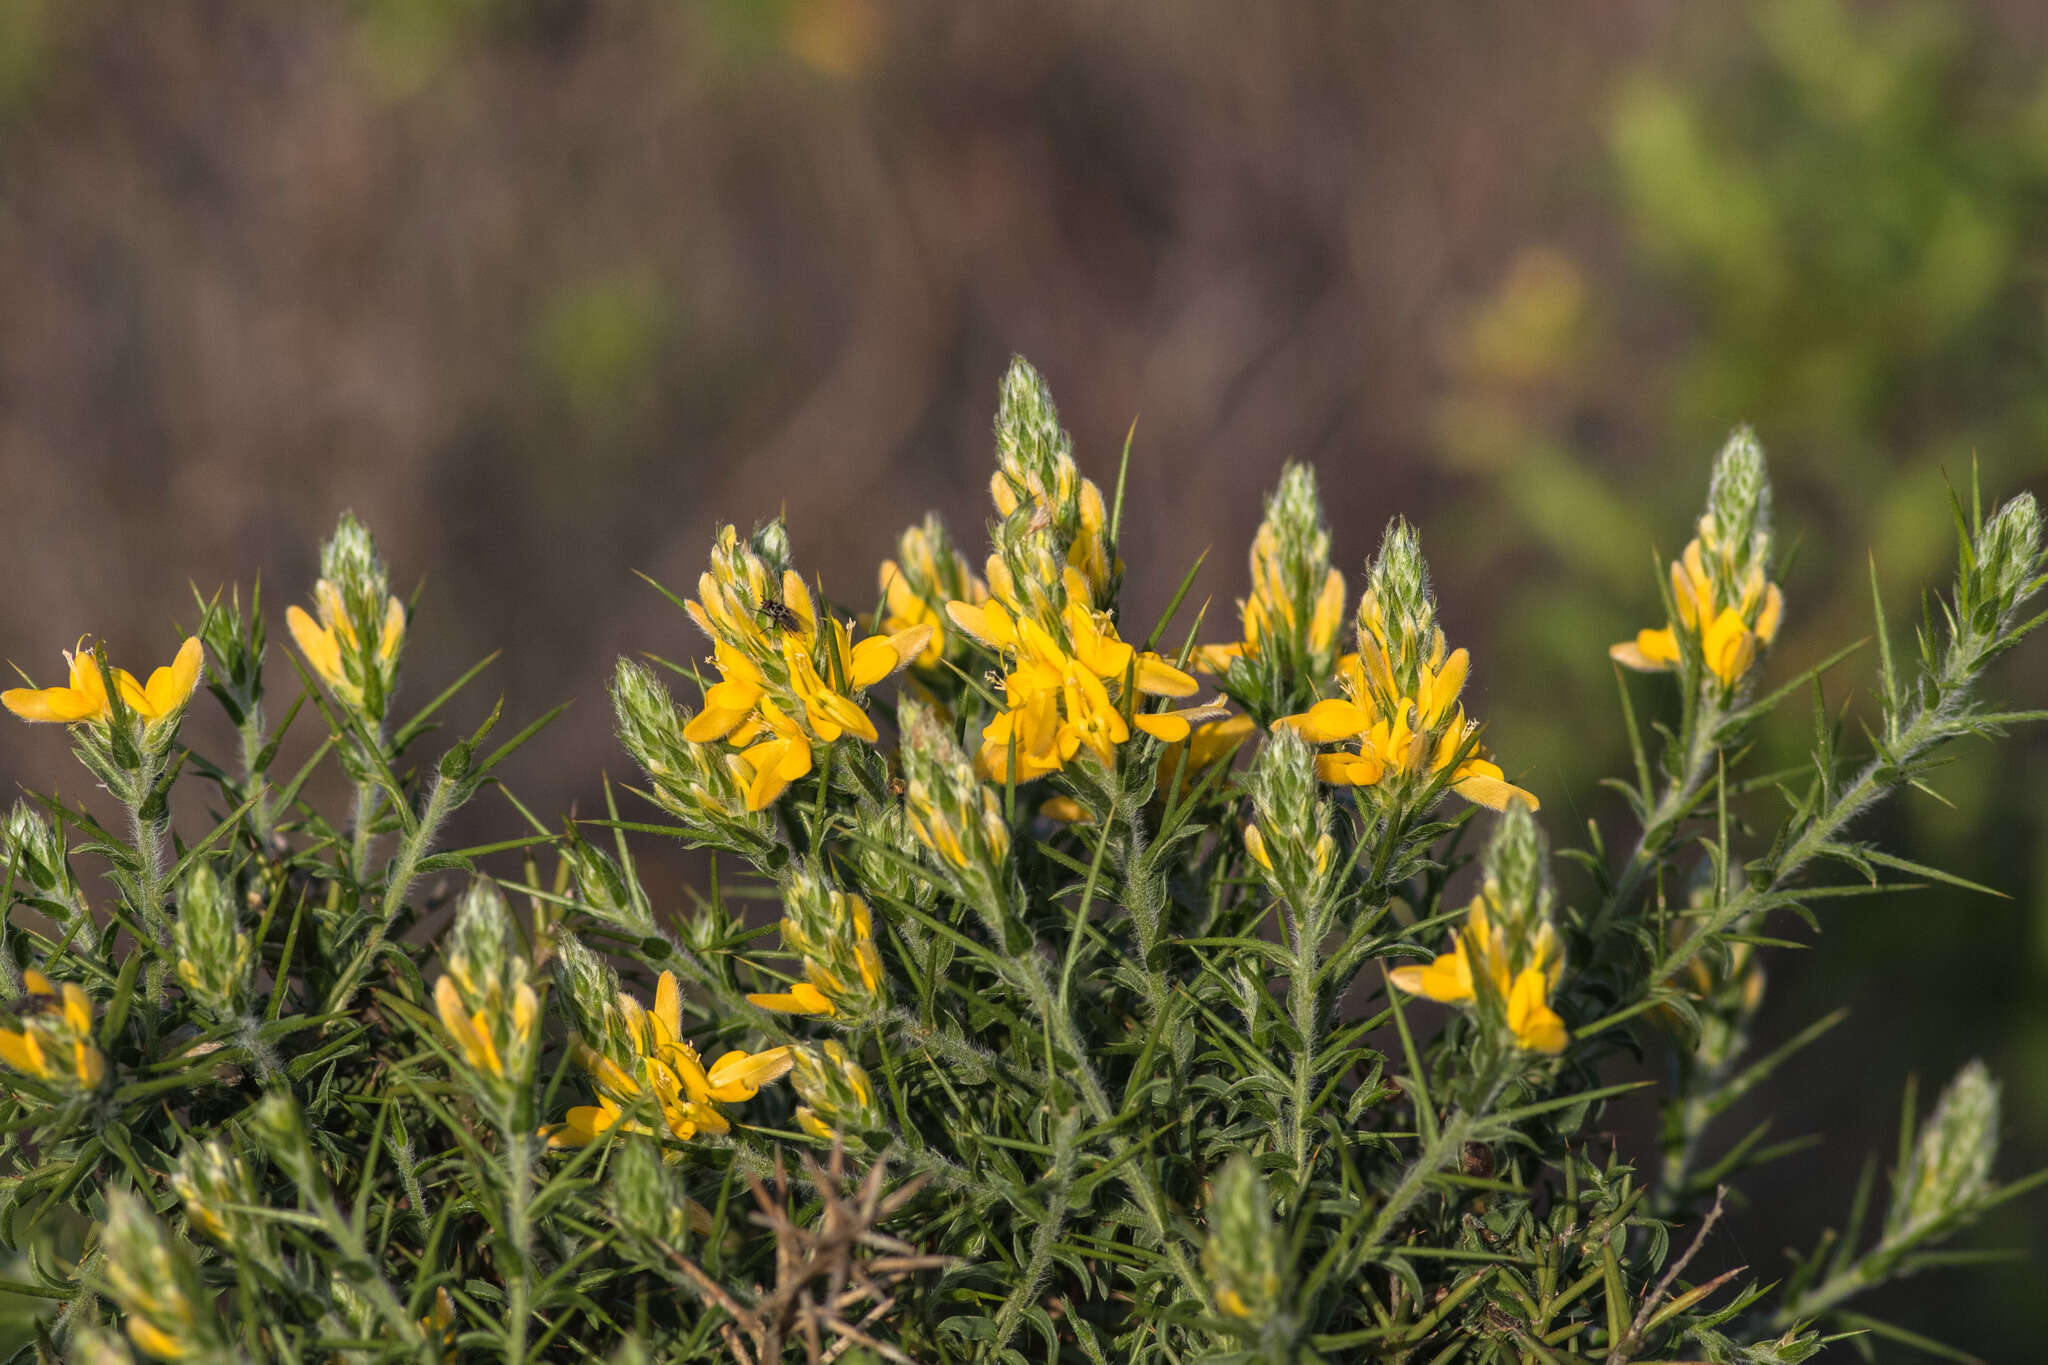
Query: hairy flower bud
x,y
1244,1253
356,633
1291,843
154,1283
1292,619
215,955
838,1099
703,785
491,1013
36,855
954,814
832,931
1950,1168
213,1183
1052,518
2009,564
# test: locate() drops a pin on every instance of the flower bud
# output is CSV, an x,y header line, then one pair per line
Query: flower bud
x,y
491,1013
2009,563
214,954
647,1197
277,1123
1739,503
1052,518
236,643
1950,1168
212,1182
832,931
1243,1254
36,854
1291,844
356,633
1397,614
954,814
838,1099
155,1285
703,785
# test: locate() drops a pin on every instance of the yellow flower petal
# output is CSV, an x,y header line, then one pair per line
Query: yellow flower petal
x,y
169,688
1536,1026
317,643
801,998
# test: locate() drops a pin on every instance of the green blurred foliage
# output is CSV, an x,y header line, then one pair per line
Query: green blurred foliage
x,y
1851,203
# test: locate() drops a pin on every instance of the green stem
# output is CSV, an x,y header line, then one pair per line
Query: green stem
x,y
440,803
519,1171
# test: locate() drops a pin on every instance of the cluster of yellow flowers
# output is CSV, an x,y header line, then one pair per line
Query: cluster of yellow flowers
x,y
786,678
1521,977
1400,719
1072,691
54,1042
663,1067
84,698
1296,606
1729,637
1725,602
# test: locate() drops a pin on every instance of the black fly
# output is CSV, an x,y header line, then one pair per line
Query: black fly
x,y
779,615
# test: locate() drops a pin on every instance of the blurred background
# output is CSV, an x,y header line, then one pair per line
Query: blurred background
x,y
544,291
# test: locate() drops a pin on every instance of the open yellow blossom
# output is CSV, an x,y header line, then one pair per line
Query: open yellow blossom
x,y
1730,636
667,1070
1065,697
1479,952
926,574
787,680
331,642
1423,736
54,1042
84,696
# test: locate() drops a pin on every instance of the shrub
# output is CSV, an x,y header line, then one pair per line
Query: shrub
x,y
1101,1020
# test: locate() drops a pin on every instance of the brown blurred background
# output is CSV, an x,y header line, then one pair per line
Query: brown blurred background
x,y
544,291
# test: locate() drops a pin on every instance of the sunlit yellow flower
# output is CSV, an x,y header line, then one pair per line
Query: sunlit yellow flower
x,y
331,643
1480,952
1064,697
54,1042
1421,734
667,1070
1733,616
84,697
787,680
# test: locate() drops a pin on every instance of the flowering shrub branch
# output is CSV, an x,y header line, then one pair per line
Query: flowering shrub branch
x,y
1039,1006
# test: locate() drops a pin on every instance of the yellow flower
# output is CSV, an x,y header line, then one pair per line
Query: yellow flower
x,y
1421,734
786,686
1733,616
84,697
478,1032
926,574
667,1070
55,1041
1063,698
1480,952
331,642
